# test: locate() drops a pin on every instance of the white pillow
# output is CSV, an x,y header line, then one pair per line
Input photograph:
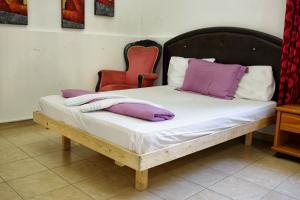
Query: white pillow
x,y
177,69
257,84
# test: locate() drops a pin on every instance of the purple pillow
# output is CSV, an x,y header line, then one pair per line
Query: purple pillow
x,y
74,93
213,79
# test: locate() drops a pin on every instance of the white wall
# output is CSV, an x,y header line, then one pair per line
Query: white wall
x,y
41,58
166,19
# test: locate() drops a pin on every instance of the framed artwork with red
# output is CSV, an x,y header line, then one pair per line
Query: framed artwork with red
x,y
105,7
13,12
72,12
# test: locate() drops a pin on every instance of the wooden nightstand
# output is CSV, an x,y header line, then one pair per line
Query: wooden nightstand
x,y
287,132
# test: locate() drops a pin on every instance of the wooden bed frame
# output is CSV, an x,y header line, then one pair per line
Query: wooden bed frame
x,y
142,162
259,47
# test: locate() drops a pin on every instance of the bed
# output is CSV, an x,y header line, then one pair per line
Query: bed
x,y
142,145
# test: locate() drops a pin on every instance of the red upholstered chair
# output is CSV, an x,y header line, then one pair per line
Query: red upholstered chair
x,y
141,59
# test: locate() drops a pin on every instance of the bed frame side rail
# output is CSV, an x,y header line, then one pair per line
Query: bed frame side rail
x,y
173,152
141,163
115,152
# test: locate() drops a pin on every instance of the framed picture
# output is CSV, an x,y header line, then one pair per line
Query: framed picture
x,y
105,7
72,12
13,12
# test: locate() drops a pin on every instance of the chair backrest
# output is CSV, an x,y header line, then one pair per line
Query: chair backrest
x,y
141,57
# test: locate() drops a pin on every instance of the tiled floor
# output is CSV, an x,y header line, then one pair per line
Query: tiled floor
x,y
33,166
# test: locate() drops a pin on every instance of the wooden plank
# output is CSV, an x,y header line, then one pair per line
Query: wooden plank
x,y
66,142
119,164
290,122
290,128
100,145
292,151
173,152
249,139
277,129
141,180
291,108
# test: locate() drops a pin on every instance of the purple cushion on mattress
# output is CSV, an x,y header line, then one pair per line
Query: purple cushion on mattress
x,y
213,79
142,111
74,93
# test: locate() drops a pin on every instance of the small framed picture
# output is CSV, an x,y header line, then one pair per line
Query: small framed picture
x,y
72,12
13,12
105,7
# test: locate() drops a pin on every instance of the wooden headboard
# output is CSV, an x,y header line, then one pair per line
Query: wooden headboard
x,y
229,45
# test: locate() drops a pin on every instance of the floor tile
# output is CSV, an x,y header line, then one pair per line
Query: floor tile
x,y
162,169
33,185
4,132
4,144
277,196
41,147
111,167
20,168
105,185
83,152
173,188
279,164
50,134
229,157
263,146
202,175
65,193
132,194
77,171
207,195
23,136
228,164
7,193
250,154
11,154
253,172
107,165
237,188
102,161
57,159
290,186
263,176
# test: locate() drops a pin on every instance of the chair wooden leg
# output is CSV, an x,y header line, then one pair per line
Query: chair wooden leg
x,y
141,180
249,139
66,142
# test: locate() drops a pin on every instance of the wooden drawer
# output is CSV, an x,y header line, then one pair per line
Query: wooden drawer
x,y
290,122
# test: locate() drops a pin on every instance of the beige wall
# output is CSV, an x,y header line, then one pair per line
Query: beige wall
x,y
167,18
41,58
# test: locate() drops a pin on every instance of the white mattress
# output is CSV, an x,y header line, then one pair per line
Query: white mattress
x,y
196,116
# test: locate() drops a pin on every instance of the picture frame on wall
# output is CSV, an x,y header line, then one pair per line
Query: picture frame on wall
x,y
72,12
105,8
13,12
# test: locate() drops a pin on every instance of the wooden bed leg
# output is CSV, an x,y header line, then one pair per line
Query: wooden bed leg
x,y
119,164
248,139
141,180
66,142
